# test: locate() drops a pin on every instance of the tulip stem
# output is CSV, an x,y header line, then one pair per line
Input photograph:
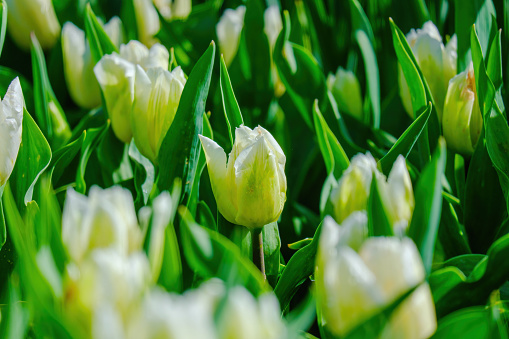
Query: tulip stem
x,y
258,257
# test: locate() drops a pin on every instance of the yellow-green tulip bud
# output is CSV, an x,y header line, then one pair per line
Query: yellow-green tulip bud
x,y
156,98
353,189
250,189
462,119
115,74
38,16
79,64
353,283
228,31
346,89
104,219
11,124
436,61
147,21
174,9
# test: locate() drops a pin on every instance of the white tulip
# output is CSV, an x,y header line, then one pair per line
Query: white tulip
x,y
147,21
353,190
346,89
38,16
228,31
250,189
174,9
104,219
11,122
462,119
79,64
116,76
354,285
436,61
156,99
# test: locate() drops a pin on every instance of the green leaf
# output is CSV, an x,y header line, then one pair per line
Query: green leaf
x,y
63,157
406,141
300,266
494,64
114,158
484,86
379,223
180,149
144,175
210,254
48,111
99,41
451,233
3,24
230,106
271,251
333,154
428,205
473,320
34,156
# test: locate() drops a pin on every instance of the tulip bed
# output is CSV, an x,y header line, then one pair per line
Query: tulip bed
x,y
254,169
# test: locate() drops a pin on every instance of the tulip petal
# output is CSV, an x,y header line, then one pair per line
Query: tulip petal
x,y
259,196
216,163
11,120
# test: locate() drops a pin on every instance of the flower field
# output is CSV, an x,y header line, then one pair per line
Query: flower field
x,y
246,169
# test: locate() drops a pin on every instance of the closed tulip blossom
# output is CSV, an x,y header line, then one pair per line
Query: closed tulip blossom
x,y
353,190
346,89
250,189
38,16
116,76
156,98
174,9
462,119
79,64
357,277
228,31
436,61
11,123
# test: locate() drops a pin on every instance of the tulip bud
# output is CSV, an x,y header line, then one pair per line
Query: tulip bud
x,y
147,21
273,26
462,119
353,190
245,317
38,16
354,283
228,31
174,9
11,123
104,219
156,99
436,61
346,89
79,64
251,189
115,74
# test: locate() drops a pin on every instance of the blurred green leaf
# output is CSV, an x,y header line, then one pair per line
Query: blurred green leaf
x,y
378,220
3,24
473,320
230,106
180,149
423,227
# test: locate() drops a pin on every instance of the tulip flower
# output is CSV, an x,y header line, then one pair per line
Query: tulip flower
x,y
147,21
346,89
355,280
228,31
79,64
104,219
174,9
353,189
156,99
115,74
11,123
462,120
273,26
436,61
250,189
38,16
